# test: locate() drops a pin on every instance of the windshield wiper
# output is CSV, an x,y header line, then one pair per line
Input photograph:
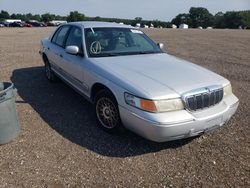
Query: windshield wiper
x,y
147,52
111,54
125,53
106,55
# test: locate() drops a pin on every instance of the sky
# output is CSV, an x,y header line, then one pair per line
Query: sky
x,y
163,10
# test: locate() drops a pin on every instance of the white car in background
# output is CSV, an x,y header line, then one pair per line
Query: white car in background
x,y
132,82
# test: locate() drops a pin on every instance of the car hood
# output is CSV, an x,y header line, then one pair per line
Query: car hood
x,y
157,74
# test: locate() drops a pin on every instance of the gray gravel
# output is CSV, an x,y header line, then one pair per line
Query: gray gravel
x,y
60,145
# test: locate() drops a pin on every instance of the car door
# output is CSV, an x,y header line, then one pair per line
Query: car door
x,y
75,63
56,50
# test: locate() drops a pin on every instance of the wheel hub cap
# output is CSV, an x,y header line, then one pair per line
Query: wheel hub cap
x,y
106,112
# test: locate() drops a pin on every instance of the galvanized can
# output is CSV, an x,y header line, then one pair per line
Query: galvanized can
x,y
9,125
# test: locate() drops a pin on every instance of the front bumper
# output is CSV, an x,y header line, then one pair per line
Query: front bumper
x,y
180,124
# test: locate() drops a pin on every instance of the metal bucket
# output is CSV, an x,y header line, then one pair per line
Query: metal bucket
x,y
9,126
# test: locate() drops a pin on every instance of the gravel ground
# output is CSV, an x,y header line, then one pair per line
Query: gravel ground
x,y
60,145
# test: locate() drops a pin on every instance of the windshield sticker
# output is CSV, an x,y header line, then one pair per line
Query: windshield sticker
x,y
95,47
136,31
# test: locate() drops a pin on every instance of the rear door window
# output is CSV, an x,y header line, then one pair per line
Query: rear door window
x,y
60,36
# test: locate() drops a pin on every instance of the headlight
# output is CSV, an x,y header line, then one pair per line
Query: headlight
x,y
227,90
154,106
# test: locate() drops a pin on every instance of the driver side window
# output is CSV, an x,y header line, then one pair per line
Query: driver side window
x,y
75,38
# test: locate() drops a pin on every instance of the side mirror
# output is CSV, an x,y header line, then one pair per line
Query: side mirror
x,y
161,45
74,50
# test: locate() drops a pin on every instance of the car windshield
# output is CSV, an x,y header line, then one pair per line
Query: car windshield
x,y
104,42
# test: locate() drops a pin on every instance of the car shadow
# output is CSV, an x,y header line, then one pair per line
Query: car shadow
x,y
73,117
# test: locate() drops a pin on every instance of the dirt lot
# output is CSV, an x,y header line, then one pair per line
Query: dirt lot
x,y
60,145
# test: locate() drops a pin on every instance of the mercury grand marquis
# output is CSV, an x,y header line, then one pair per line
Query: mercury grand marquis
x,y
133,83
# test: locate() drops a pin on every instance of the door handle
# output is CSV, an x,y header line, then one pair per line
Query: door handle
x,y
61,55
48,48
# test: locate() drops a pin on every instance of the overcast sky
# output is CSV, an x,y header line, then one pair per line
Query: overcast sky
x,y
147,9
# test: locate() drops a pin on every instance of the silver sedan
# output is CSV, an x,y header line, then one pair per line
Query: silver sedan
x,y
134,84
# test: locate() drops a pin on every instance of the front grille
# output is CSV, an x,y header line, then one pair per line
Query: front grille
x,y
204,98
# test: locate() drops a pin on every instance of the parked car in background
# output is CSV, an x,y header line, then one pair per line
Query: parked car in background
x,y
16,24
27,25
51,24
36,23
43,24
56,22
132,82
6,24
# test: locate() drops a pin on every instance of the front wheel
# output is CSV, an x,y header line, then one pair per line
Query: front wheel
x,y
107,112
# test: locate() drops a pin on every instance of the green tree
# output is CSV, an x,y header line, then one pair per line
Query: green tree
x,y
58,17
13,16
245,18
47,17
36,17
28,16
4,15
182,19
97,18
138,19
20,17
200,17
233,19
75,16
219,21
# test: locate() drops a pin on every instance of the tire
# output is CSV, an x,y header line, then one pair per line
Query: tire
x,y
107,112
50,75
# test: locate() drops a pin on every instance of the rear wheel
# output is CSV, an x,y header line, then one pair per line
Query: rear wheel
x,y
50,75
107,111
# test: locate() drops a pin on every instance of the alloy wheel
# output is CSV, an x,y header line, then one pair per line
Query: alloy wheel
x,y
107,113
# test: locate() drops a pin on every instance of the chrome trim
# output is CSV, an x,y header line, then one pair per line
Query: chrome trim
x,y
202,92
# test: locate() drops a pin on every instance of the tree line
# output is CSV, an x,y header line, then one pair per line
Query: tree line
x,y
201,17
77,16
197,17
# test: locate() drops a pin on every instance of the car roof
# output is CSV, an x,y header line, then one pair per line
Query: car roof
x,y
95,24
